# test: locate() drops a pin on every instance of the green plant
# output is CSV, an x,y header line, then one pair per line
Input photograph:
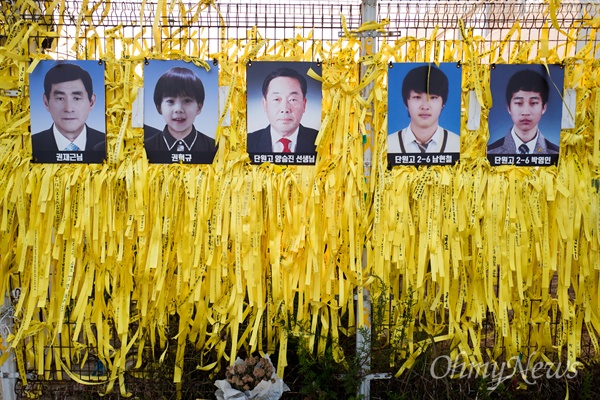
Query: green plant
x,y
322,378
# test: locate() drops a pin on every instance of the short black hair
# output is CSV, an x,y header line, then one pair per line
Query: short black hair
x,y
528,81
67,72
178,82
425,79
288,73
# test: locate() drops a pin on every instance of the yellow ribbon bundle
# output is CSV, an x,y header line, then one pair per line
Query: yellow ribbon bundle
x,y
240,252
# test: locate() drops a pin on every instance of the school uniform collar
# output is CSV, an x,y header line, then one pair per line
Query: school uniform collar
x,y
518,142
184,144
435,144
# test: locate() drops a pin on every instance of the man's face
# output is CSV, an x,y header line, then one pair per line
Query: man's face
x,y
424,110
179,114
69,105
526,110
284,104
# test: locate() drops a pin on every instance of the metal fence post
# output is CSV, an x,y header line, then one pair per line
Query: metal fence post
x,y
363,338
8,370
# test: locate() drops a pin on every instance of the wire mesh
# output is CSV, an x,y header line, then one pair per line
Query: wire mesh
x,y
491,21
197,21
211,24
274,21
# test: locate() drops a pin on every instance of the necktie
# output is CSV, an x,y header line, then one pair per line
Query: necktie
x,y
523,149
286,145
72,147
423,146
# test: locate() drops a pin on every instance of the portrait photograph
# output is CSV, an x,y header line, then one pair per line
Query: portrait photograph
x,y
181,112
424,109
525,118
283,111
68,111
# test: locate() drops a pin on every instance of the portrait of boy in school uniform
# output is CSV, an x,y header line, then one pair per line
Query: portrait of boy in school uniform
x,y
423,113
180,112
525,118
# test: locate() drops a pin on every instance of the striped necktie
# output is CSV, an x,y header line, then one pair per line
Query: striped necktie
x,y
423,147
72,147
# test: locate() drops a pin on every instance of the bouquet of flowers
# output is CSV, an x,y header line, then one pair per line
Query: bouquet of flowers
x,y
252,378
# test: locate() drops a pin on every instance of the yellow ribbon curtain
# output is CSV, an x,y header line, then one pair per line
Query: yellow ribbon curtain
x,y
239,251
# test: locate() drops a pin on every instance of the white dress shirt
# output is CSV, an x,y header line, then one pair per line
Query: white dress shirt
x,y
62,142
435,143
277,146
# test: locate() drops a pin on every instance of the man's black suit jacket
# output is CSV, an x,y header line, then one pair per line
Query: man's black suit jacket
x,y
260,141
44,145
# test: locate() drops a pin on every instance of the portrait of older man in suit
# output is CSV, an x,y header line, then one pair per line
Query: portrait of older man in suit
x,y
69,98
284,102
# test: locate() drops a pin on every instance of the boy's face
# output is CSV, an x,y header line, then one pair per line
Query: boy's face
x,y
526,110
424,110
69,106
179,114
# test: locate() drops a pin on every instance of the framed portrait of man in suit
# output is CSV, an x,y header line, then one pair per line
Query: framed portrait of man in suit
x,y
283,112
68,117
525,118
181,113
424,109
